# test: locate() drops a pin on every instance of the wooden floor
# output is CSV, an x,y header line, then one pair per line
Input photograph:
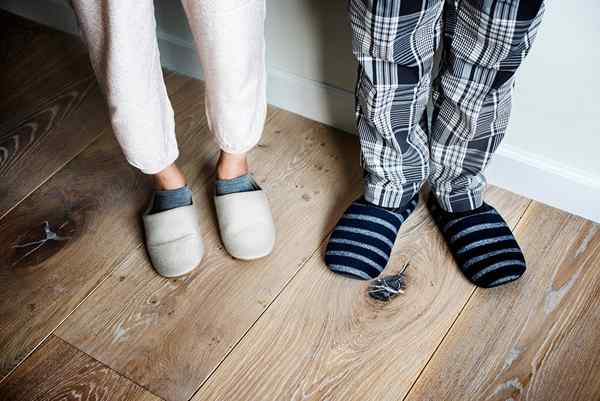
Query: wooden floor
x,y
84,317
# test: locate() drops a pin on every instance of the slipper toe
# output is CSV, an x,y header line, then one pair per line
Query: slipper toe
x,y
246,224
174,241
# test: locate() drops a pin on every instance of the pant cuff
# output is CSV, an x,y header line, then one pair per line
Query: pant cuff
x,y
158,166
236,150
460,202
387,197
232,143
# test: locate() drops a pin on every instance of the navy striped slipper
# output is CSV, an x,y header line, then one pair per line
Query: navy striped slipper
x,y
483,245
361,243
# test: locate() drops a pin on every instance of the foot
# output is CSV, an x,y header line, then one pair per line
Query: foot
x,y
173,240
170,190
361,243
482,244
168,179
231,165
233,176
173,237
245,220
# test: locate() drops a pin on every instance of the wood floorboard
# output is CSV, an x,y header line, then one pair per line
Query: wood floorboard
x,y
168,335
93,206
47,116
325,339
535,340
59,371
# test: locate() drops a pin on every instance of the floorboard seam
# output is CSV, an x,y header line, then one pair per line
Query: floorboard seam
x,y
106,366
50,176
457,317
51,332
287,283
117,264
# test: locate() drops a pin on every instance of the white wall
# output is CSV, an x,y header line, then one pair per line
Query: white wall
x,y
307,38
552,150
557,107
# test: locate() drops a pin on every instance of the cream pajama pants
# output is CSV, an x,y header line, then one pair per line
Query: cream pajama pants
x,y
229,37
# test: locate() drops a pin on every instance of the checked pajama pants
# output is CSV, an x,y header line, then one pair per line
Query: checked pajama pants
x,y
483,43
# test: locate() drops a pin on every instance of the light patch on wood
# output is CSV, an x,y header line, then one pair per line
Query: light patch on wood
x,y
511,385
555,296
120,333
586,241
512,356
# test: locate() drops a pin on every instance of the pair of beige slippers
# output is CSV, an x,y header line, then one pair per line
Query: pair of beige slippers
x,y
174,240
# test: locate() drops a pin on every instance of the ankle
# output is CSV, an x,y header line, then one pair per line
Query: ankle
x,y
168,179
231,166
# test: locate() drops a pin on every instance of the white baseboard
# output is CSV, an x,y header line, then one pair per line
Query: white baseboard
x,y
546,181
519,171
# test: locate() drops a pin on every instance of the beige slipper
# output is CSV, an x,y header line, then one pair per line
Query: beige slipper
x,y
173,240
246,224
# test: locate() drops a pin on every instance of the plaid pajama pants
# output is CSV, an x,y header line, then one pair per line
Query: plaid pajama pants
x,y
484,42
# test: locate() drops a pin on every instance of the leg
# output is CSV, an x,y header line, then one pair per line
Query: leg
x,y
124,53
394,42
121,39
486,41
229,36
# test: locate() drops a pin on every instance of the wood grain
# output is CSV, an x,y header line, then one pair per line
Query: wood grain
x,y
536,340
325,339
50,110
58,371
168,335
92,206
37,62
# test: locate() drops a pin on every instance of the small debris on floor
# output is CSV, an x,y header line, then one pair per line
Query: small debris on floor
x,y
389,287
48,236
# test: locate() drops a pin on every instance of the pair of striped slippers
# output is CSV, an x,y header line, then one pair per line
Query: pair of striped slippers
x,y
480,240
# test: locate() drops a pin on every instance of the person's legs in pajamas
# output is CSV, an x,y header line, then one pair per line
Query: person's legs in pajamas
x,y
124,53
119,35
394,42
473,96
485,43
